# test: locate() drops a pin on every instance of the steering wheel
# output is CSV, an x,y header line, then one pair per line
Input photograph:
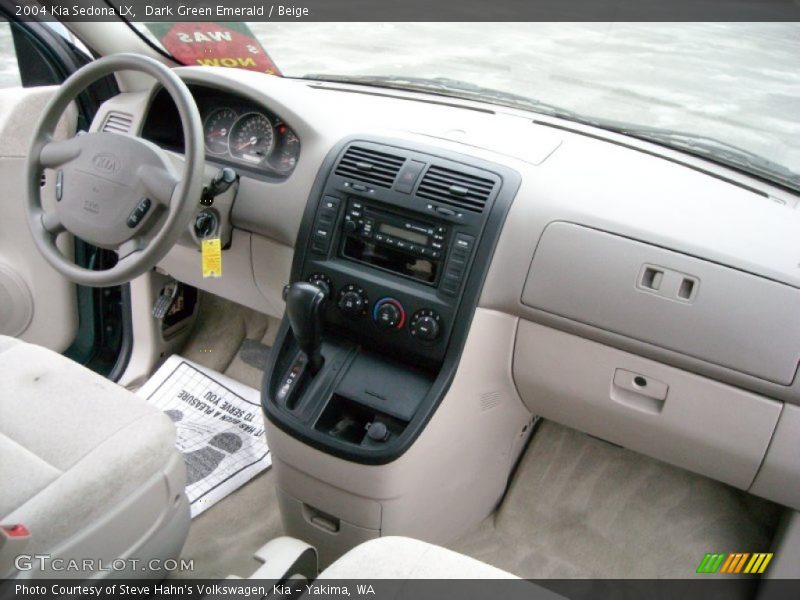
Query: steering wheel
x,y
115,191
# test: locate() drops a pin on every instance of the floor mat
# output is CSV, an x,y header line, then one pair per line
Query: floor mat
x,y
219,424
582,508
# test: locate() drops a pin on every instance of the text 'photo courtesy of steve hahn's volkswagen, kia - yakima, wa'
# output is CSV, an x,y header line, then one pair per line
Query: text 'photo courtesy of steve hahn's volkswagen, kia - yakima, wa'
x,y
400,300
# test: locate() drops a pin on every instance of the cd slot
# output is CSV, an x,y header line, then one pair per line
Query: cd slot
x,y
392,242
401,262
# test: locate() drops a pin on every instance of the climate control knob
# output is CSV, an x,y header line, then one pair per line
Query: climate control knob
x,y
425,325
389,314
353,301
323,282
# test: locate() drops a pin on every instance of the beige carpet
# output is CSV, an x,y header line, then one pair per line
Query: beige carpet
x,y
219,333
223,539
582,508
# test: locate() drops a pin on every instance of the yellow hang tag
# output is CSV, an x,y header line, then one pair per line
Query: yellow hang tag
x,y
211,250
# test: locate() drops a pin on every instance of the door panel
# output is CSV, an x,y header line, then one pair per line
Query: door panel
x,y
36,303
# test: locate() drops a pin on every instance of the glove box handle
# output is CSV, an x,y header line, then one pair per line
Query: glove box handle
x,y
638,391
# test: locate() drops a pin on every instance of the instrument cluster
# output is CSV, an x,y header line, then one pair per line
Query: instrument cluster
x,y
250,136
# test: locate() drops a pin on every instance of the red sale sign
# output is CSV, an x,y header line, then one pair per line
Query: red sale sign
x,y
215,45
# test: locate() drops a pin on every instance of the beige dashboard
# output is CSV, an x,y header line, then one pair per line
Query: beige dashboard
x,y
701,405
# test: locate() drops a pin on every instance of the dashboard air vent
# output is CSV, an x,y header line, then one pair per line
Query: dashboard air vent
x,y
455,188
369,165
117,122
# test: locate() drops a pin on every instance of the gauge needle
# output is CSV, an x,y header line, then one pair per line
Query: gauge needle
x,y
218,133
251,142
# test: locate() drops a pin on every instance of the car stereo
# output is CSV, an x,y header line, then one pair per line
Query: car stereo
x,y
392,242
398,238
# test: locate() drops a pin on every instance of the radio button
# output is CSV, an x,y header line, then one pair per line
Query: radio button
x,y
330,203
464,241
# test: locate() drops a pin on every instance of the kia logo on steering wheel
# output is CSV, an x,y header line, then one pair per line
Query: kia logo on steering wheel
x,y
106,162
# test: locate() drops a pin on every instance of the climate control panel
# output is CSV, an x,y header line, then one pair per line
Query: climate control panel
x,y
388,319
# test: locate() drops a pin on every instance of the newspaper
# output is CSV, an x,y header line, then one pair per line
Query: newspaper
x,y
219,424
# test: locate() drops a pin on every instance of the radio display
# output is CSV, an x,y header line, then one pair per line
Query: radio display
x,y
405,234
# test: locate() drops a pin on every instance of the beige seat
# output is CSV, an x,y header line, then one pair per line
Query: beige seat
x,y
87,467
406,558
407,567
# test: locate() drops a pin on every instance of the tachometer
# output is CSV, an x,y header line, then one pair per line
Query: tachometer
x,y
252,138
217,128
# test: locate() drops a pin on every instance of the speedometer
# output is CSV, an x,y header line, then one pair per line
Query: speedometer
x,y
217,128
252,138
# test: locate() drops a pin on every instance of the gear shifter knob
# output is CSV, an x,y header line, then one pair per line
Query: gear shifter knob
x,y
304,305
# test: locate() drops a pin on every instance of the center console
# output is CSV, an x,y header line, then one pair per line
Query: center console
x,y
396,240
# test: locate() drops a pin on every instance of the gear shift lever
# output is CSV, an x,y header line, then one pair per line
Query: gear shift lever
x,y
304,305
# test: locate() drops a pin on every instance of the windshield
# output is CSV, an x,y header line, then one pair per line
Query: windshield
x,y
732,86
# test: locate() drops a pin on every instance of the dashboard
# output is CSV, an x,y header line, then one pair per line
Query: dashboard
x,y
659,317
237,132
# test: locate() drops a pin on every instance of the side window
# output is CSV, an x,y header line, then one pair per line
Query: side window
x,y
9,68
33,54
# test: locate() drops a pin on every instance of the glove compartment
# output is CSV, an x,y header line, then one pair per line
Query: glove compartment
x,y
684,419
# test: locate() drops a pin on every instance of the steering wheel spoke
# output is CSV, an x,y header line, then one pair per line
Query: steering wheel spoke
x,y
52,224
159,183
131,246
55,154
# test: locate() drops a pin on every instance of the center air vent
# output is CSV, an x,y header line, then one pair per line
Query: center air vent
x,y
117,122
369,165
456,188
